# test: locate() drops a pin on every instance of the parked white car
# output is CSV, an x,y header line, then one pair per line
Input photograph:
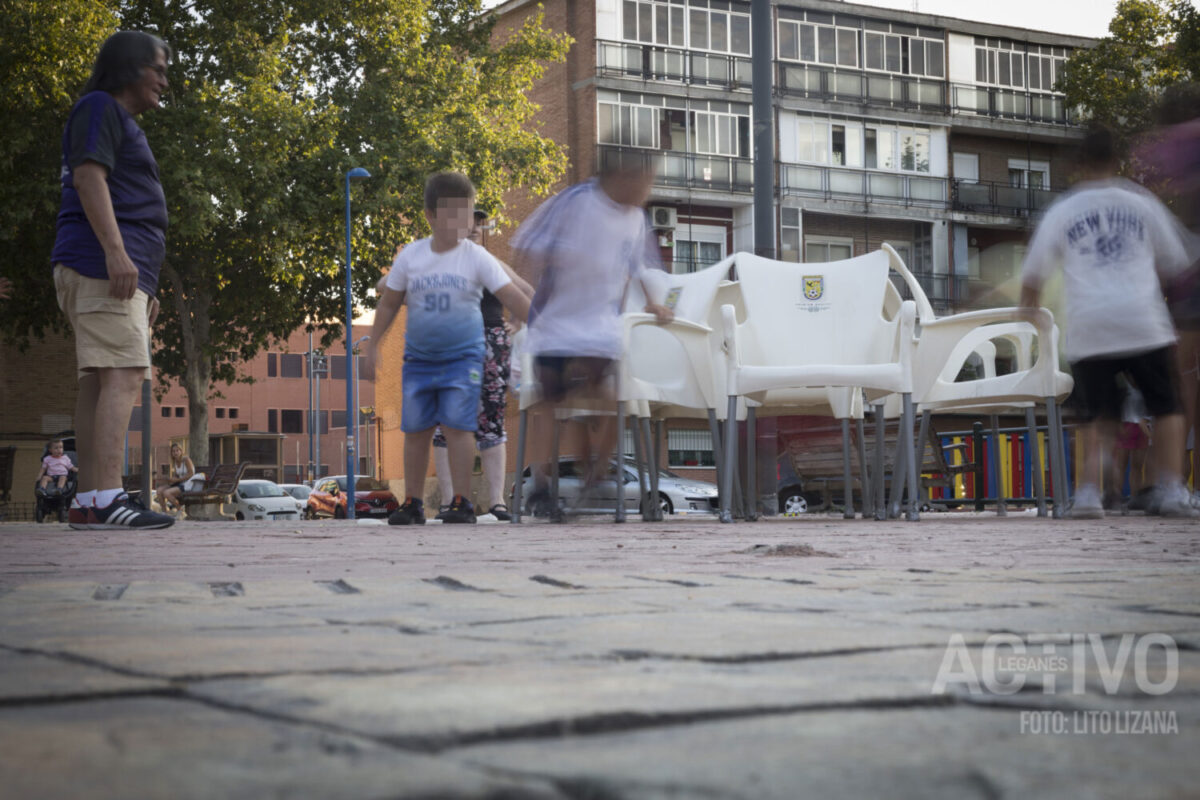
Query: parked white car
x,y
299,491
265,500
676,494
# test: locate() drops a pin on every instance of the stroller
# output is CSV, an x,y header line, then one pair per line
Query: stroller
x,y
52,501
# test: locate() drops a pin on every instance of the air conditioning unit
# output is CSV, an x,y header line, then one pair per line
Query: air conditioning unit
x,y
663,217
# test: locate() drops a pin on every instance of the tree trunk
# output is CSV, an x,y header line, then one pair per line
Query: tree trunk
x,y
195,327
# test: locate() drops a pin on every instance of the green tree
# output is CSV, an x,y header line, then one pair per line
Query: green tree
x,y
271,102
46,53
1151,44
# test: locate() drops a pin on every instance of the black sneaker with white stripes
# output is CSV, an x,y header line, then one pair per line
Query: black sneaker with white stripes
x,y
125,513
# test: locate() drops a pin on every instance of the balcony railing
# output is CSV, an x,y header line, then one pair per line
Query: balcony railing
x,y
833,183
853,85
1010,103
985,197
651,62
695,171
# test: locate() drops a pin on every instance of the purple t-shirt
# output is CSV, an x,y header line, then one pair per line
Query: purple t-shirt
x,y
100,130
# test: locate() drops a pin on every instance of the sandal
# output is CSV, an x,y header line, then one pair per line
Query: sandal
x,y
500,512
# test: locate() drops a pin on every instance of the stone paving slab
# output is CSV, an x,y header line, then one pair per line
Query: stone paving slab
x,y
785,658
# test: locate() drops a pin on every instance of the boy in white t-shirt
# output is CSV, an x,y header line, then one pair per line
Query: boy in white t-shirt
x,y
583,247
441,280
1116,245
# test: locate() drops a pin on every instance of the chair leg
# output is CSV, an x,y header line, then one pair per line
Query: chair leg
x,y
555,513
522,431
651,472
1001,507
847,486
638,459
877,478
868,494
1056,454
714,429
619,511
729,453
914,513
750,500
655,452
1035,461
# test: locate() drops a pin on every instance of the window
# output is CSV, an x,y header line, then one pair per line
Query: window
x,y
233,413
272,421
812,140
271,365
220,412
999,63
719,30
927,57
166,411
789,234
1024,174
337,367
1045,66
698,246
654,23
291,365
823,248
629,125
690,448
822,44
291,420
914,150
179,411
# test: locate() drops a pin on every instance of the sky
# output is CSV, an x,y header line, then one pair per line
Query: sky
x,y
1073,17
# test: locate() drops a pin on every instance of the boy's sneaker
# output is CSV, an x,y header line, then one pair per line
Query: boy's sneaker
x,y
411,513
461,512
124,513
1087,504
1174,501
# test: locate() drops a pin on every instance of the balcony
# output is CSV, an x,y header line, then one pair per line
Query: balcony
x,y
803,80
946,292
654,63
695,171
841,183
986,197
1010,104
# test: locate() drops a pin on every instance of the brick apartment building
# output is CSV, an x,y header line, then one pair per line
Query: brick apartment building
x,y
278,402
940,136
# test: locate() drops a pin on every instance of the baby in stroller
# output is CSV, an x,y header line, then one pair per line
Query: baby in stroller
x,y
56,482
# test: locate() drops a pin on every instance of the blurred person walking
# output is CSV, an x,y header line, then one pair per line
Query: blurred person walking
x,y
583,246
108,250
1117,247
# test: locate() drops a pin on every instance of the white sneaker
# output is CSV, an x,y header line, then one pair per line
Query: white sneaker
x,y
1087,504
1175,501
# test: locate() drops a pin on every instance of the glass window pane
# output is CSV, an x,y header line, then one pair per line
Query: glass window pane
x,y
739,34
808,48
1005,72
934,58
699,28
892,63
838,252
790,216
916,57
604,123
1017,78
838,141
874,51
719,32
870,149
980,65
885,146
661,33
630,21
645,127
847,48
626,136
826,50
1035,72
787,41
645,22
676,27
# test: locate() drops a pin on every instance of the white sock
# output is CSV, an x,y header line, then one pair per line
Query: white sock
x,y
83,499
104,497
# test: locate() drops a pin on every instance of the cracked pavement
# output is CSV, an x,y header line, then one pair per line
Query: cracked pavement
x,y
787,658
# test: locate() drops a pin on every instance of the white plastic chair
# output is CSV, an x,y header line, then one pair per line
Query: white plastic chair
x,y
813,337
945,343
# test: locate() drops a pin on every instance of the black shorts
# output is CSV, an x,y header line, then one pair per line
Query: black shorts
x,y
1097,394
563,375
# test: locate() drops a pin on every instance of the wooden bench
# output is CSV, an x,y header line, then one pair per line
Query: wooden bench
x,y
219,483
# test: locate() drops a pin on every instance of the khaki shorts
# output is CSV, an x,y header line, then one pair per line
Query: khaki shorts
x,y
109,333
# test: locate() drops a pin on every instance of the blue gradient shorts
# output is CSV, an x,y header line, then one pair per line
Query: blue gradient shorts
x,y
441,391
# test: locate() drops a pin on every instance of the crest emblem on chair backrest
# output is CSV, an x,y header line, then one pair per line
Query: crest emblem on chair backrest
x,y
814,287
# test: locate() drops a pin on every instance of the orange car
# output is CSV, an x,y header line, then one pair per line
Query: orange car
x,y
371,498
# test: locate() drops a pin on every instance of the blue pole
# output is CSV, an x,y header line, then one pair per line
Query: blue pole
x,y
351,401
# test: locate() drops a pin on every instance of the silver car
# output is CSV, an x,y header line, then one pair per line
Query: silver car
x,y
676,494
